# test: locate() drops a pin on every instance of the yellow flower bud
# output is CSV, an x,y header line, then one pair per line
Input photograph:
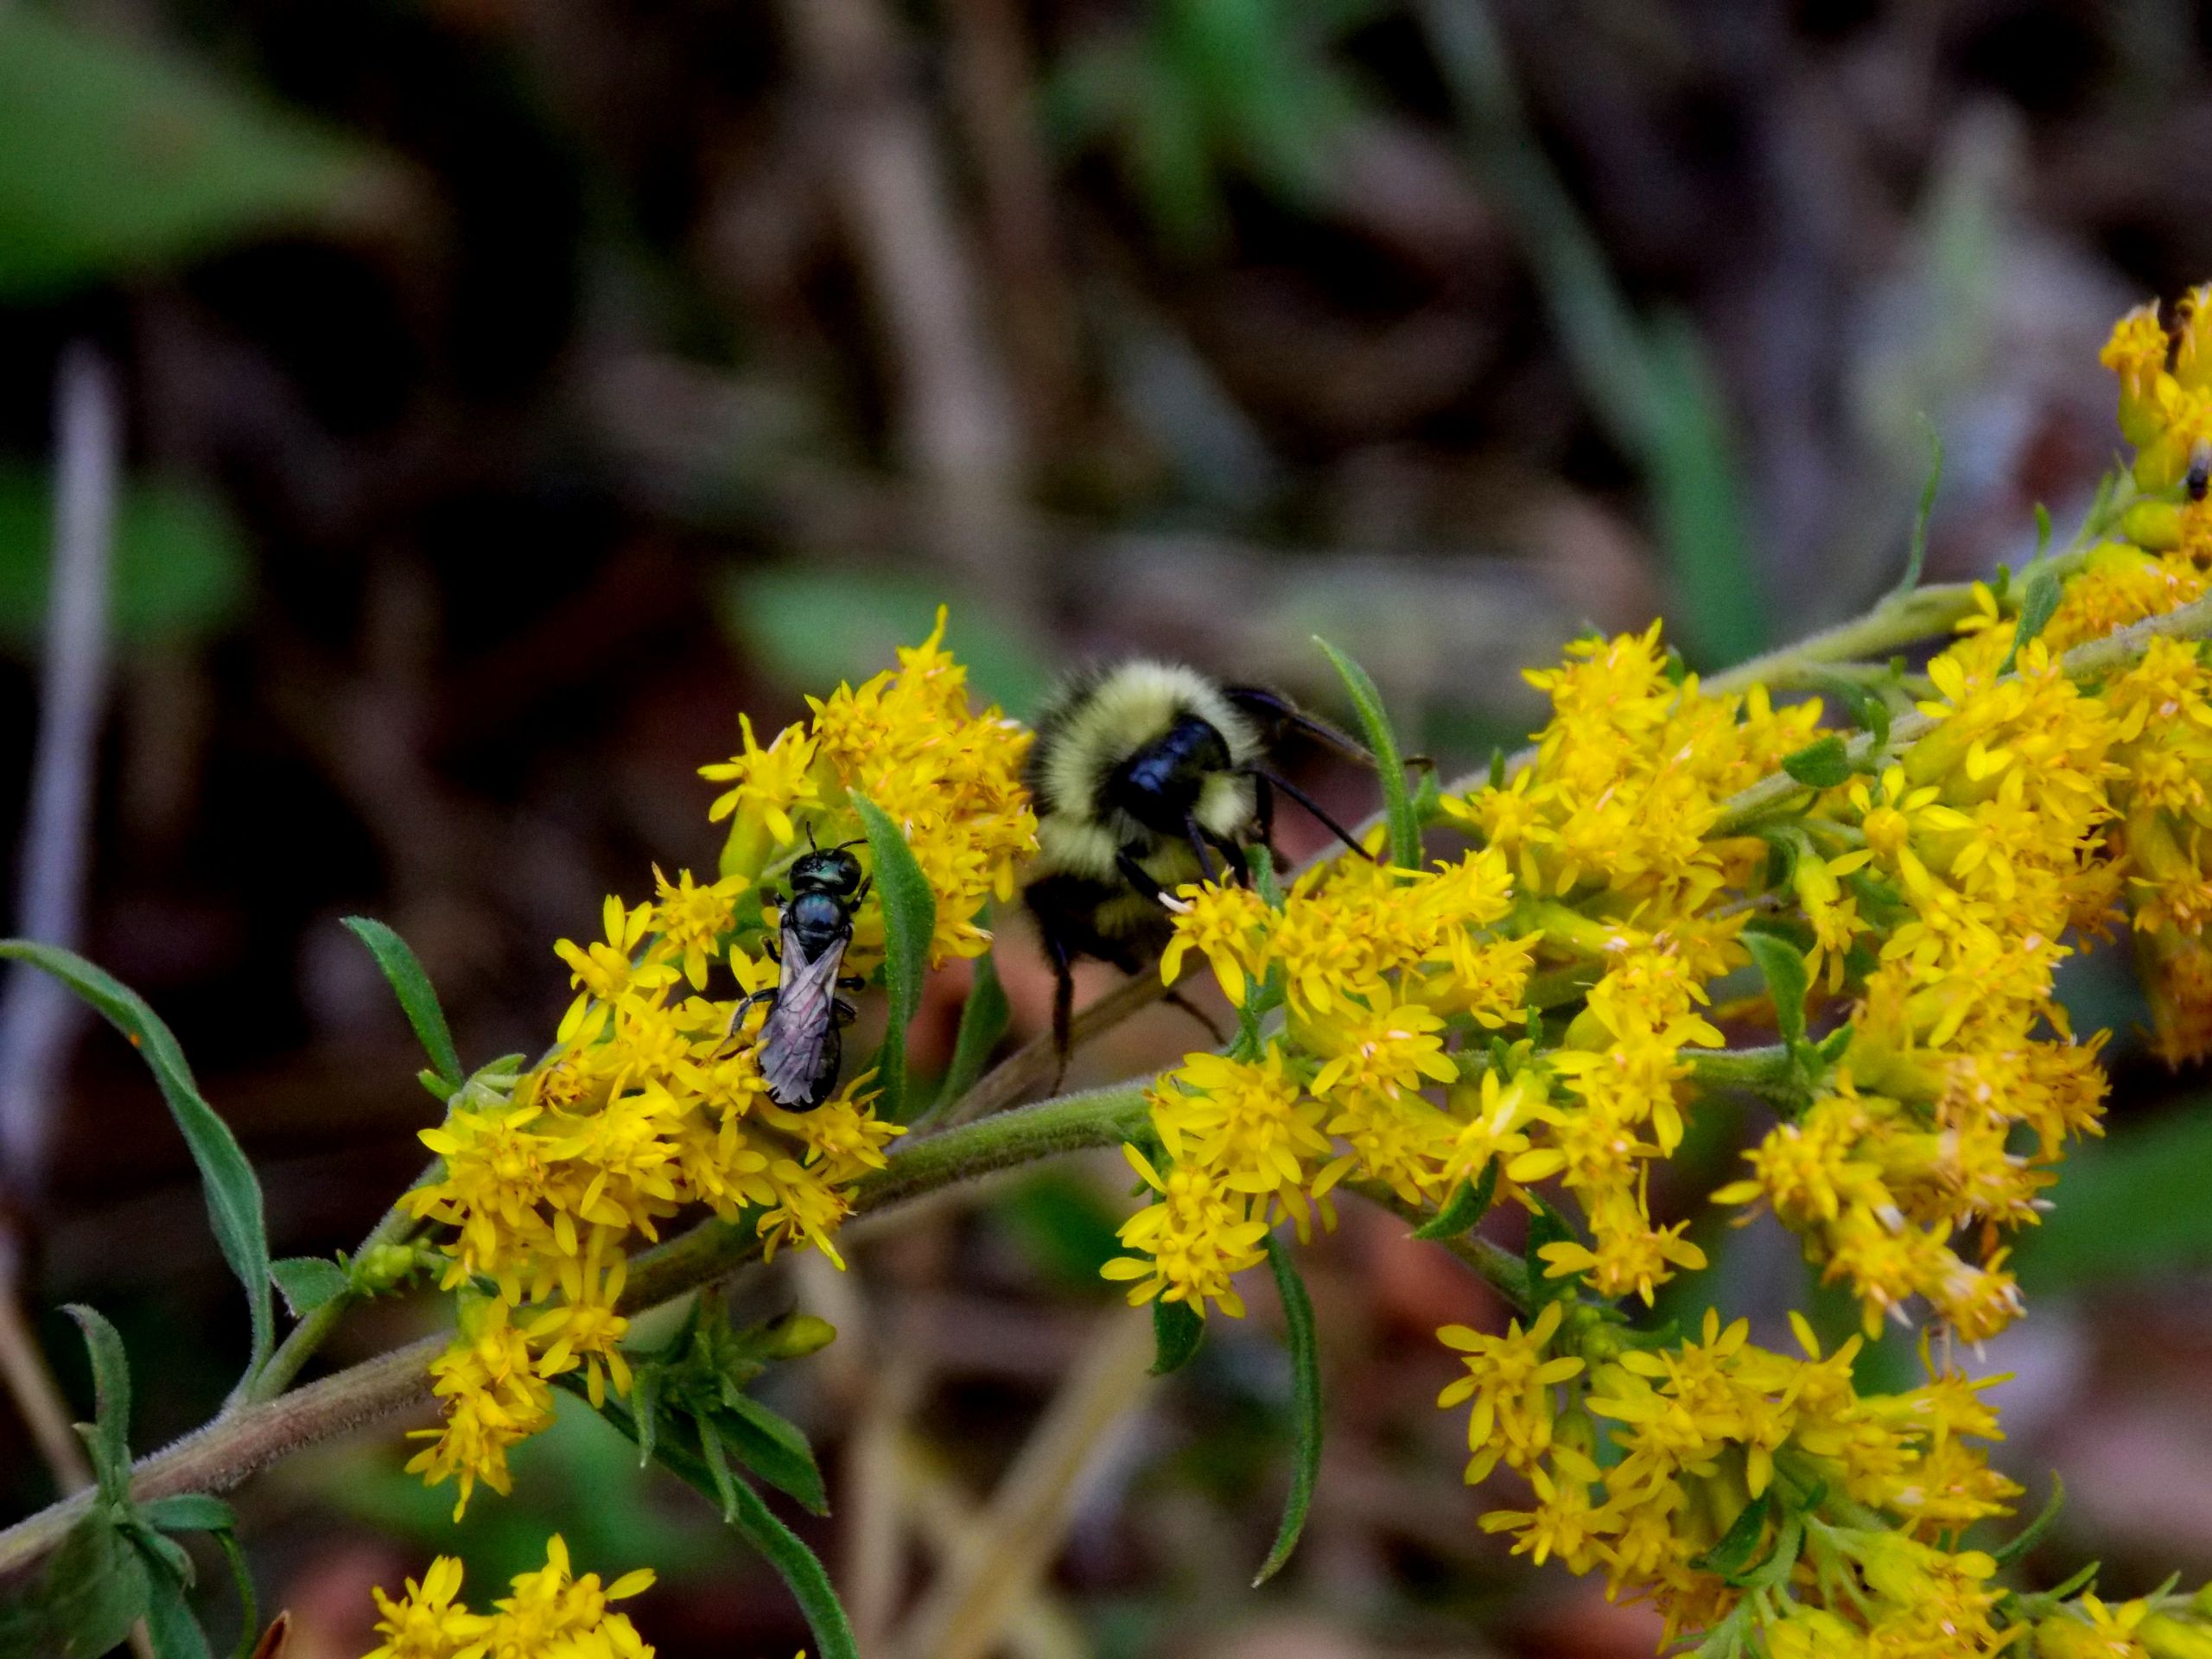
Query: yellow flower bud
x,y
2153,524
798,1337
2172,1638
1813,1633
2063,1636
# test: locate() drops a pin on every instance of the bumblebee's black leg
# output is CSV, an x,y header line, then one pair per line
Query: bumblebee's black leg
x,y
1213,1030
1239,871
1263,809
1138,877
1312,806
1055,951
1196,838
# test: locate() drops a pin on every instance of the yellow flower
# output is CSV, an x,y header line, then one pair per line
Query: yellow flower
x,y
1194,1239
425,1622
1510,1380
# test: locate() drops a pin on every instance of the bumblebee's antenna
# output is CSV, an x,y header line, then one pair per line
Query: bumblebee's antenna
x,y
1274,781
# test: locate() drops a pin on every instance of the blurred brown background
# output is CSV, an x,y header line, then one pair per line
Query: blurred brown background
x,y
513,390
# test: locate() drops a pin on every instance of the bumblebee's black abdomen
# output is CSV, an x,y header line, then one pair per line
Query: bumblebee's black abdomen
x,y
1160,784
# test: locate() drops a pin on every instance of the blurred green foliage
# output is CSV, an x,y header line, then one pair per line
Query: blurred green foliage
x,y
1202,92
180,572
815,627
115,157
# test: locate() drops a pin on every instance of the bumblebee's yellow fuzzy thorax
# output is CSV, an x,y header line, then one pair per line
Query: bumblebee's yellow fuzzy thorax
x,y
1096,726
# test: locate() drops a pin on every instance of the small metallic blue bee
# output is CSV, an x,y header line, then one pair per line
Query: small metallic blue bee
x,y
801,1044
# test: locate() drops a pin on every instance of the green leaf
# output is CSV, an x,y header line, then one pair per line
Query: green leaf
x,y
1781,1561
309,1282
1917,556
801,1570
2037,602
1177,1329
190,1512
1739,1544
116,157
1783,844
1868,709
645,1402
232,1192
982,1023
1375,722
93,1590
1787,980
2033,1534
712,1454
1305,1406
909,919
2043,531
1821,765
109,1440
679,1451
181,568
1466,1206
417,998
169,1622
773,1447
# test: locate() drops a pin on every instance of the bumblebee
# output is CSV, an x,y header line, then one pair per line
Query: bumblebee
x,y
801,1044
1145,776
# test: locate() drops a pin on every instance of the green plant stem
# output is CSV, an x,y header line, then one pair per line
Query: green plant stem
x,y
300,1342
248,1438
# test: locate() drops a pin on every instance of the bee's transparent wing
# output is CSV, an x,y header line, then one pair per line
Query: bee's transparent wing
x,y
791,1039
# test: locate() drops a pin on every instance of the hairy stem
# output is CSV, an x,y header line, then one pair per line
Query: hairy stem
x,y
254,1435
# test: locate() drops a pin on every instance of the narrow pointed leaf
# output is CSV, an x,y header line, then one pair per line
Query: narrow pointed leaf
x,y
982,1023
773,1447
109,1442
2031,1535
1787,978
909,920
718,1462
308,1281
1305,1406
232,1192
175,1633
801,1570
2038,602
1917,556
680,1451
1375,724
644,1400
1739,1544
1177,1330
418,1000
1464,1208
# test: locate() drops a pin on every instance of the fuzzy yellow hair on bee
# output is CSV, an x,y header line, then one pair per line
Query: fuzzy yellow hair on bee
x,y
1145,776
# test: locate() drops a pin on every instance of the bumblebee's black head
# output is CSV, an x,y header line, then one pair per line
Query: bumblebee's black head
x,y
830,870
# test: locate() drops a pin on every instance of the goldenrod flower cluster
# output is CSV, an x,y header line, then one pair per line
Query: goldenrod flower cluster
x,y
648,1103
552,1615
1544,1009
